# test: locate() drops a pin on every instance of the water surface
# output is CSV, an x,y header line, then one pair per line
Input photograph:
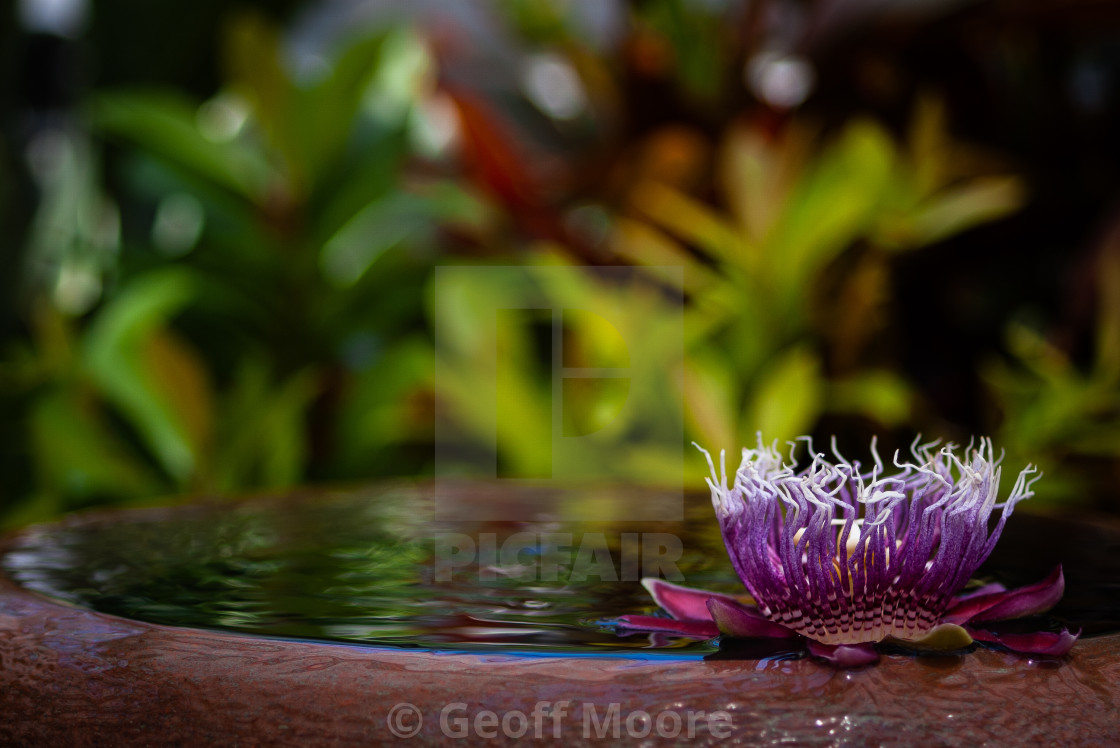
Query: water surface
x,y
361,567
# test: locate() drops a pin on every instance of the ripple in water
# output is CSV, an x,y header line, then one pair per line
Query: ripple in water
x,y
361,567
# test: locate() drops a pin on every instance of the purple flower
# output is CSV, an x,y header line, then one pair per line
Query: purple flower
x,y
844,559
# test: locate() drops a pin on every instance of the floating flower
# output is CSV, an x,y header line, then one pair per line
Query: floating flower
x,y
844,559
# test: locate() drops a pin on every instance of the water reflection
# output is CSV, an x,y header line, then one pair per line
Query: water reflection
x,y
361,567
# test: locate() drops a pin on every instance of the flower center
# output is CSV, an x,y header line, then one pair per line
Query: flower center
x,y
853,536
927,531
843,616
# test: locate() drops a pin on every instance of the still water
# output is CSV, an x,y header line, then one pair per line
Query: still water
x,y
374,567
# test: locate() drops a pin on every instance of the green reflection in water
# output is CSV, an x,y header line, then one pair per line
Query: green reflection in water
x,y
360,567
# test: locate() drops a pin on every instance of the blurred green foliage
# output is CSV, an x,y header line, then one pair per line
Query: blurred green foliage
x,y
791,287
1056,412
499,390
245,298
253,301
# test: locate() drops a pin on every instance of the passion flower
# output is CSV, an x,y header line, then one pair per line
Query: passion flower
x,y
846,558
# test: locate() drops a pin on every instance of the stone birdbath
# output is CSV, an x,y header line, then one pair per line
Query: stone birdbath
x,y
328,618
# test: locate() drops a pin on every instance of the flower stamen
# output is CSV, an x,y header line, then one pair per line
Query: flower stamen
x,y
845,556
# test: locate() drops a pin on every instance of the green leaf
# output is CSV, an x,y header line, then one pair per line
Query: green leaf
x,y
978,201
156,381
254,71
164,124
646,246
350,253
370,175
326,113
384,406
787,400
758,171
694,222
261,437
78,456
308,122
492,383
709,392
831,206
881,395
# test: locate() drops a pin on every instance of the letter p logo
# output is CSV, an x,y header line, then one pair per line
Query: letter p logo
x,y
558,375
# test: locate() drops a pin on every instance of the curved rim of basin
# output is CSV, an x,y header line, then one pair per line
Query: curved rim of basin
x,y
72,676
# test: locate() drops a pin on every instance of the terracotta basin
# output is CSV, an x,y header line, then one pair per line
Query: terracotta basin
x,y
74,677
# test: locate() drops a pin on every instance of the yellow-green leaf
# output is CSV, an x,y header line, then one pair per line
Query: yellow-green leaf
x,y
947,637
787,400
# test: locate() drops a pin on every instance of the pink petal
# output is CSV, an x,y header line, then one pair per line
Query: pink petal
x,y
1042,643
845,655
987,589
682,603
1001,606
742,622
698,629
